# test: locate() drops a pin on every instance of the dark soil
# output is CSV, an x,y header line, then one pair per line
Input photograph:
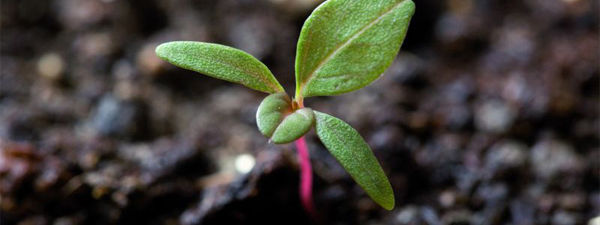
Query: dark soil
x,y
488,116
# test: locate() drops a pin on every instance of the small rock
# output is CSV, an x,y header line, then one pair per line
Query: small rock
x,y
505,156
148,62
166,157
552,157
114,117
408,215
79,14
494,116
457,217
572,201
565,218
522,212
51,66
244,163
94,46
430,216
492,194
594,221
447,199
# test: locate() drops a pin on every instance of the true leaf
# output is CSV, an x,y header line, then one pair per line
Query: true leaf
x,y
345,45
355,155
220,62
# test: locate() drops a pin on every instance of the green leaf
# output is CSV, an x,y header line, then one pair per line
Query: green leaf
x,y
276,119
271,112
294,126
350,150
221,62
346,45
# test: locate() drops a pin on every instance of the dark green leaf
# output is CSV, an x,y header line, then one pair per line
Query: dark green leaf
x,y
345,45
350,150
221,62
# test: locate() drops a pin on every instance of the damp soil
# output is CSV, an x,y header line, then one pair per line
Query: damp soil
x,y
489,115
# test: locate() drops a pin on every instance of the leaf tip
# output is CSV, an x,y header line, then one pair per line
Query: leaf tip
x,y
388,204
161,50
411,6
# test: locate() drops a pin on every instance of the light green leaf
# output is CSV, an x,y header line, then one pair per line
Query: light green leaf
x,y
294,126
350,150
276,119
346,45
221,62
271,112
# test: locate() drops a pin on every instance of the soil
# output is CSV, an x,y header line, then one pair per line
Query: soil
x,y
489,115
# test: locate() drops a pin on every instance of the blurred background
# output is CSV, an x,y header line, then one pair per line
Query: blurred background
x,y
489,115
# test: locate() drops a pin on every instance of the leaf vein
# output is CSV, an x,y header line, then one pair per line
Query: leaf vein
x,y
360,165
344,44
241,69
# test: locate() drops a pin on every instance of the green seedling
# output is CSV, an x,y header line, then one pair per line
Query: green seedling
x,y
344,45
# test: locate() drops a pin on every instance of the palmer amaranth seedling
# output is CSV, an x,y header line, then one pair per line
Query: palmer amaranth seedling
x,y
344,45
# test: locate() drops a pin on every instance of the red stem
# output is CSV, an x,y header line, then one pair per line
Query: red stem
x,y
305,176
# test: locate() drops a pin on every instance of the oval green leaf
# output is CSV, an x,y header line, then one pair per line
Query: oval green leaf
x,y
221,62
294,126
346,45
355,155
276,119
271,112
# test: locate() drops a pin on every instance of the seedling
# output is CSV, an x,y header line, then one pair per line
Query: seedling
x,y
344,45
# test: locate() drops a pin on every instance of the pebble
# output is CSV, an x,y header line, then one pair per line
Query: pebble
x,y
565,218
522,212
572,201
244,163
504,156
408,215
447,198
594,221
79,14
51,65
494,116
148,62
457,217
492,194
114,117
551,157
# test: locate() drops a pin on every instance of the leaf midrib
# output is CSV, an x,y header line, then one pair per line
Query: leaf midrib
x,y
360,165
343,45
241,69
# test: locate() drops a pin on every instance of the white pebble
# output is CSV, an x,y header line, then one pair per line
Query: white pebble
x,y
244,163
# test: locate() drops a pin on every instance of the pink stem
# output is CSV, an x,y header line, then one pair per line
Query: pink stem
x,y
305,176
